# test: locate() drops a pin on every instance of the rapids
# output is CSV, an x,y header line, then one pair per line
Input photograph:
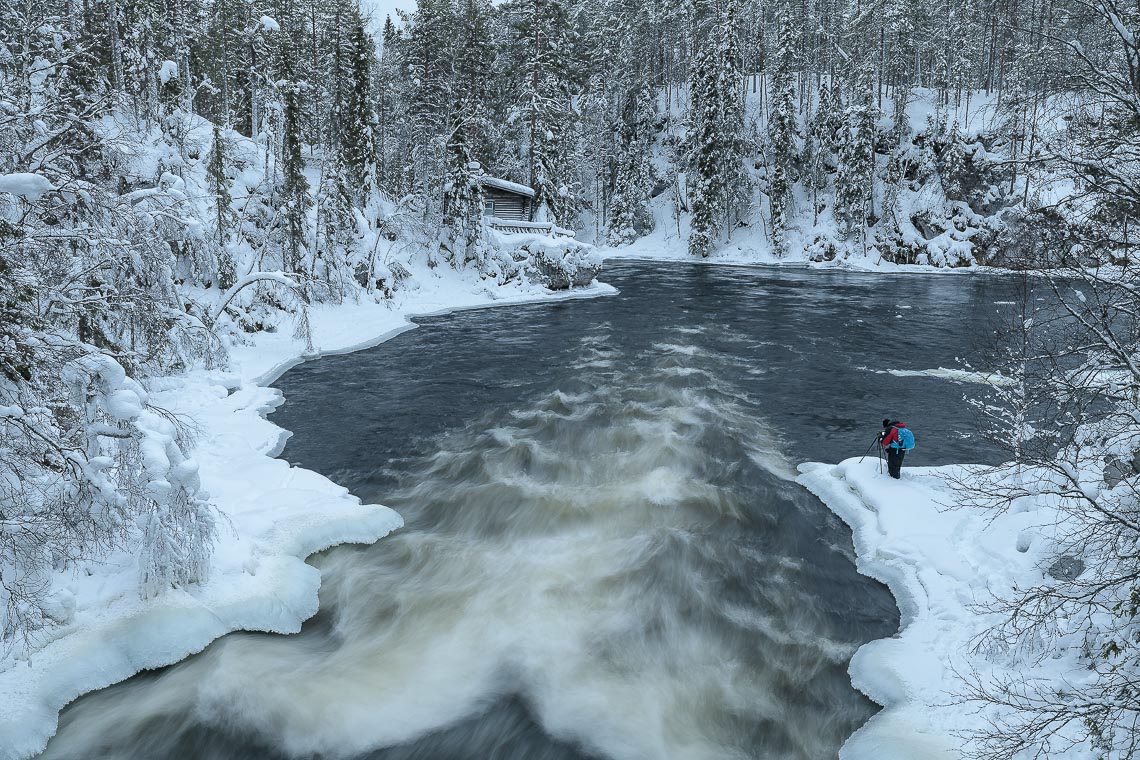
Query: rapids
x,y
605,554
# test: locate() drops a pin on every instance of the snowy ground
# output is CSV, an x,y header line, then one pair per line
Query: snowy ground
x,y
274,516
943,562
747,249
749,246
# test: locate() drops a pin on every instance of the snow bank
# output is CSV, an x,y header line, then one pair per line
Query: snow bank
x,y
940,563
274,516
750,246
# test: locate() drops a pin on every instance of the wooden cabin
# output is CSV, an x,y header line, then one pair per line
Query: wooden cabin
x,y
505,200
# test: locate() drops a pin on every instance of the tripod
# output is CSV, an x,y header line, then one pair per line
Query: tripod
x,y
868,451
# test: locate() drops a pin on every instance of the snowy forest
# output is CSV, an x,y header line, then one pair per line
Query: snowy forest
x,y
179,175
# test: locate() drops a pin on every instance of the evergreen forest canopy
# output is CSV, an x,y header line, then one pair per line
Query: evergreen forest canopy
x,y
175,175
772,113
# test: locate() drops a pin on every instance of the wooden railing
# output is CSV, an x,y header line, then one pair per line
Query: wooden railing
x,y
533,228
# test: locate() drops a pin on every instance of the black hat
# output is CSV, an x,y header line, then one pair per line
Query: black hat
x,y
887,422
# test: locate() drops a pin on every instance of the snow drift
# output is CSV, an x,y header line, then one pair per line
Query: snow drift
x,y
944,563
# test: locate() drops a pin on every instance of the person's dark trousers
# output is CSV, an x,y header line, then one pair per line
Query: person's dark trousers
x,y
894,462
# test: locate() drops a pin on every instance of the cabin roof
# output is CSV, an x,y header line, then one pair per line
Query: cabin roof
x,y
510,187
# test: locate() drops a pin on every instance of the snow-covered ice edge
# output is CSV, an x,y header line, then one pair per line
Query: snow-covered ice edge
x,y
943,562
273,517
748,257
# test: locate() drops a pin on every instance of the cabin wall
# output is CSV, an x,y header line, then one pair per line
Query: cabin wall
x,y
504,205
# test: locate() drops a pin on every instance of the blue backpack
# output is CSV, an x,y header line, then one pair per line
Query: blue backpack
x,y
906,439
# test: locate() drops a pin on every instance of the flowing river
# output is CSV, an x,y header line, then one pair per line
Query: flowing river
x,y
605,554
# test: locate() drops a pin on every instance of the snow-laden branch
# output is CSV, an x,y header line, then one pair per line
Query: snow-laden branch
x,y
279,277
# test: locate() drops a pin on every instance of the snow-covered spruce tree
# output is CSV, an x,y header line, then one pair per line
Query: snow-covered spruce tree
x,y
356,128
385,76
550,78
900,19
225,220
783,135
705,192
426,54
349,177
461,236
853,182
629,206
294,188
473,82
737,142
714,176
819,145
952,163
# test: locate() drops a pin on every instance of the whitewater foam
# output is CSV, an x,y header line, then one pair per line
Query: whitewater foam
x,y
581,553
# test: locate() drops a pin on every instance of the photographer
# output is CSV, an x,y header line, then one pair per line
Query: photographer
x,y
897,440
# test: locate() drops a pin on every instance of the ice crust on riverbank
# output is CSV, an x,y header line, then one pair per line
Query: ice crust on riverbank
x,y
943,563
273,516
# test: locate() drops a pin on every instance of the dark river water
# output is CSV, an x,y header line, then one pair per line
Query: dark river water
x,y
605,554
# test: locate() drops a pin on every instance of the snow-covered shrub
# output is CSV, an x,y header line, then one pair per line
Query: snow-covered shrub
x,y
1069,416
822,248
87,466
1031,240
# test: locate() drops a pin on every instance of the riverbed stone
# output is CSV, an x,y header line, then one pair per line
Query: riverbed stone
x,y
1066,568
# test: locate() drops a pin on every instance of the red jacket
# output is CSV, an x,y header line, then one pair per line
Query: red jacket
x,y
893,436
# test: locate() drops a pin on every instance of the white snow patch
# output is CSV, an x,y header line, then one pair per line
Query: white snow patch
x,y
943,565
167,71
953,375
26,185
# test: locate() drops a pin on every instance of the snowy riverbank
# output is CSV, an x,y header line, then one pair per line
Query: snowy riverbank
x,y
273,517
667,246
944,564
